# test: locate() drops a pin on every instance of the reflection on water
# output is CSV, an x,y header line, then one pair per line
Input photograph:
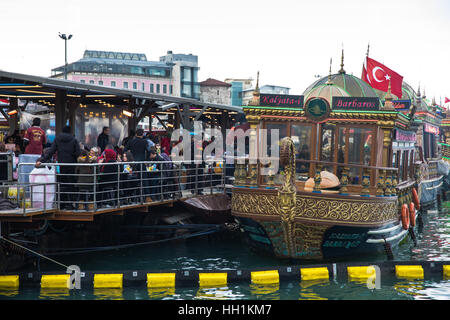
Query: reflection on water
x,y
207,254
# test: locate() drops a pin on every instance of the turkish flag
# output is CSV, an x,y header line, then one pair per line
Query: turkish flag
x,y
378,75
447,100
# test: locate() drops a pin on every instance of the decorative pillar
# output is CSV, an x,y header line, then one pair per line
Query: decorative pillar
x,y
253,174
365,192
388,184
380,184
344,181
60,110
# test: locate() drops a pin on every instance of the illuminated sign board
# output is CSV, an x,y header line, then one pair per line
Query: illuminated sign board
x,y
431,129
356,103
280,100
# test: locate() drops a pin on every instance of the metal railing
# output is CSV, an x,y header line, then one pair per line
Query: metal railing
x,y
28,197
99,186
6,166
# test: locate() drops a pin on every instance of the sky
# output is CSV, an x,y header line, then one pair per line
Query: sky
x,y
289,42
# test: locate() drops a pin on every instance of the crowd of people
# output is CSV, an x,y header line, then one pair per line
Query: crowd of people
x,y
120,172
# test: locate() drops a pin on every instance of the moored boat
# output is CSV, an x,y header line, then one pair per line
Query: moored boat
x,y
341,127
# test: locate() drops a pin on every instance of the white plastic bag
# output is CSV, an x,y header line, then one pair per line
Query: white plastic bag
x,y
43,176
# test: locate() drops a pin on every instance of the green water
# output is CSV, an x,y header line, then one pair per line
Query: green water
x,y
207,253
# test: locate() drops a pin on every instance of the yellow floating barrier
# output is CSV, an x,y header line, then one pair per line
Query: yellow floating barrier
x,y
409,272
212,279
55,281
265,277
314,273
9,282
160,280
113,280
446,271
360,273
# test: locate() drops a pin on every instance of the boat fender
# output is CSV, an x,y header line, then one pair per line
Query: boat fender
x,y
412,214
416,198
405,216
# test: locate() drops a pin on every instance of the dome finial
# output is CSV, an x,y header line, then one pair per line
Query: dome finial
x,y
342,61
255,99
388,99
329,73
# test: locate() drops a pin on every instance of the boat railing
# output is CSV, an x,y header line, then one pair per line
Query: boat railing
x,y
361,179
100,186
6,166
27,198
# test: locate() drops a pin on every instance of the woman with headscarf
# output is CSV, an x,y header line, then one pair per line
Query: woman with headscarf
x,y
108,178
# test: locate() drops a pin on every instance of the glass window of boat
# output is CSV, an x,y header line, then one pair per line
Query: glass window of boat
x,y
282,132
301,136
327,145
266,140
411,164
400,165
359,151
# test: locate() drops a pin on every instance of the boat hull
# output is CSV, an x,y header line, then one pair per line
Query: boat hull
x,y
429,190
320,227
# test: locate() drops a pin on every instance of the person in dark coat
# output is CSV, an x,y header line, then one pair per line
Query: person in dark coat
x,y
67,150
108,178
138,146
103,139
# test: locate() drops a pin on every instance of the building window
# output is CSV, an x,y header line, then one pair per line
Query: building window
x,y
125,85
135,85
164,88
113,83
157,88
152,88
91,81
143,87
171,89
82,81
187,90
100,82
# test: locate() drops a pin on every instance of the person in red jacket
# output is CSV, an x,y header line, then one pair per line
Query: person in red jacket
x,y
35,138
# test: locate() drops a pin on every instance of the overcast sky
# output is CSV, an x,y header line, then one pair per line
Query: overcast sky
x,y
288,41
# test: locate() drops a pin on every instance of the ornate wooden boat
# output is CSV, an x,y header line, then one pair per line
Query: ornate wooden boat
x,y
427,122
342,128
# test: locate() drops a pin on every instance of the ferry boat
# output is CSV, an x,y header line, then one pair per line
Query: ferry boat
x,y
347,181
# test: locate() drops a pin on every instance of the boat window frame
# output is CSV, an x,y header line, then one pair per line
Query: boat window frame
x,y
374,146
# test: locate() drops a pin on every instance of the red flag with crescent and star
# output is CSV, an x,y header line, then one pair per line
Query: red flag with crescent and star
x,y
378,75
447,100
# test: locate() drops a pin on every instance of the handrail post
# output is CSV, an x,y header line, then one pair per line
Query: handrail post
x,y
394,183
95,188
317,179
344,181
388,182
365,192
140,182
118,185
161,182
380,184
196,178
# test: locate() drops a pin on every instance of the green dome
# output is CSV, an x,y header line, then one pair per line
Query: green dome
x,y
326,91
354,86
408,93
339,85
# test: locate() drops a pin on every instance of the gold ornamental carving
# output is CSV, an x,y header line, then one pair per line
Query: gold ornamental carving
x,y
314,209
